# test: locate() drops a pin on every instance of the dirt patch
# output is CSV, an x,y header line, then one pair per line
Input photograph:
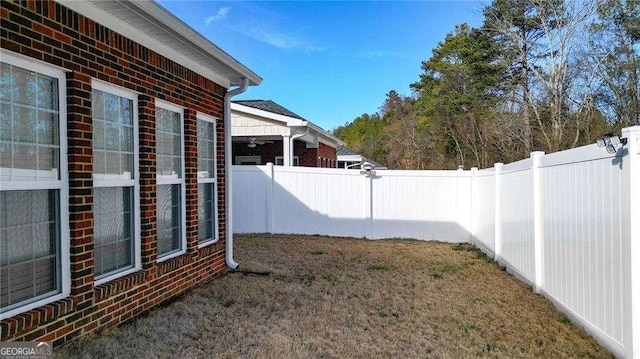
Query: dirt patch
x,y
338,297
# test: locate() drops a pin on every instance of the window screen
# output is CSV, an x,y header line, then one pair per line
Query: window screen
x,y
207,186
114,180
170,181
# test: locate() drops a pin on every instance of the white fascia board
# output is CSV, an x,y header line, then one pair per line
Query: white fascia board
x,y
116,24
350,158
174,23
290,121
326,137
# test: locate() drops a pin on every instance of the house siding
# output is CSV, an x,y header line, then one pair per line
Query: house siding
x,y
49,32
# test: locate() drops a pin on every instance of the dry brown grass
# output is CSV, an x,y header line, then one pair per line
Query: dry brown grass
x,y
342,298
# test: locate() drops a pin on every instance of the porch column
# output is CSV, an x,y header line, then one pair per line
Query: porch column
x,y
286,151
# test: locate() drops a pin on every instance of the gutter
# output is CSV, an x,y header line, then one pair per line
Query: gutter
x,y
228,158
291,143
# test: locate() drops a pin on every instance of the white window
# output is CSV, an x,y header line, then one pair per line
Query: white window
x,y
116,193
171,192
34,227
280,161
207,181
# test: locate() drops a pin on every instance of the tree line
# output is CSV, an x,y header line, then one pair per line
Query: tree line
x,y
537,75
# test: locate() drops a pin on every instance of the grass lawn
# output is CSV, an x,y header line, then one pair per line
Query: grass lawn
x,y
337,298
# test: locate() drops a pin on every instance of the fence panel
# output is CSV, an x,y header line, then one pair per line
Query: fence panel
x,y
318,201
250,199
517,220
484,211
430,205
583,239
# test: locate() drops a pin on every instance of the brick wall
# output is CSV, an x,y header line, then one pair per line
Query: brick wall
x,y
47,31
307,157
267,151
327,154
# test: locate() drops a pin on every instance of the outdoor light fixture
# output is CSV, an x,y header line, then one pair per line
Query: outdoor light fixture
x,y
252,142
367,169
611,142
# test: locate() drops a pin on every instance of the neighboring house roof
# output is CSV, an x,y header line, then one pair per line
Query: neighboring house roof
x,y
151,25
344,151
347,155
273,111
270,106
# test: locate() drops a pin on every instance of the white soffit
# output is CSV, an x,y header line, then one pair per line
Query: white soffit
x,y
150,25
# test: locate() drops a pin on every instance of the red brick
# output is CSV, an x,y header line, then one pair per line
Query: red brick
x,y
135,294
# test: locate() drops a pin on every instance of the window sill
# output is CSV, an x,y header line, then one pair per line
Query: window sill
x,y
171,255
208,243
173,263
36,317
118,285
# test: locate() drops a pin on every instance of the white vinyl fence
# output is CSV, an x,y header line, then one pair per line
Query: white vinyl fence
x,y
338,202
568,223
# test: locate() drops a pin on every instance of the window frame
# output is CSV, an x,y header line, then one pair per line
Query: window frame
x,y
296,161
133,183
171,181
61,185
209,180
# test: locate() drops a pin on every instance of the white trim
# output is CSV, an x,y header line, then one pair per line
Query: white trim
x,y
163,180
29,185
62,185
171,107
172,254
100,183
29,63
97,84
101,180
296,161
130,31
212,180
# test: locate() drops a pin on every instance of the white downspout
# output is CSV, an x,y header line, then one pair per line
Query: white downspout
x,y
291,144
228,158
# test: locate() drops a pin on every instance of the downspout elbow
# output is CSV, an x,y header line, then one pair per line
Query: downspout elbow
x,y
228,155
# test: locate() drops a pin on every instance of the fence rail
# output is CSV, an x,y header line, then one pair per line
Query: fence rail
x,y
568,223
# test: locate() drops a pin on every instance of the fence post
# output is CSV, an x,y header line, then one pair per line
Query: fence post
x,y
631,183
498,214
269,200
474,205
538,229
368,205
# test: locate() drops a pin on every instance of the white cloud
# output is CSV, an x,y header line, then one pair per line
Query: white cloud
x,y
279,40
221,14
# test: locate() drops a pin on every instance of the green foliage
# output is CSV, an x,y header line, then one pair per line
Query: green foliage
x,y
538,75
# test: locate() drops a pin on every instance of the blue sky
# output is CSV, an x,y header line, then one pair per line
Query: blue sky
x,y
329,62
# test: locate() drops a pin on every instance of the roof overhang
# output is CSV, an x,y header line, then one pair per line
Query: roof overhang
x,y
350,158
152,26
322,135
289,121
